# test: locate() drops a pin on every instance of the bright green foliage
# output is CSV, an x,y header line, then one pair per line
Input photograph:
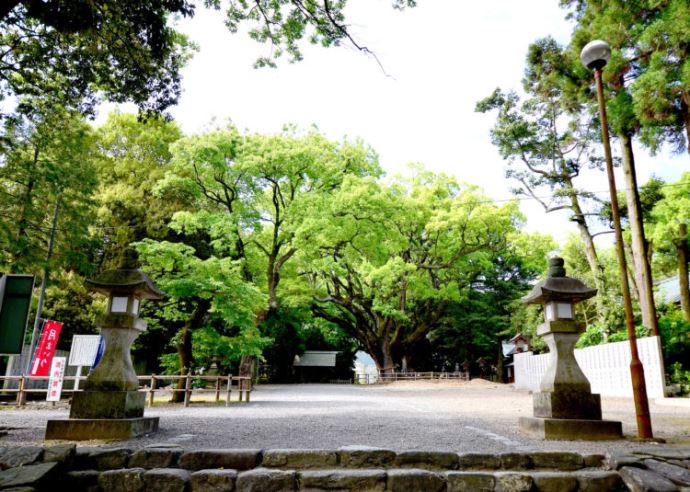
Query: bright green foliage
x,y
492,309
670,212
253,191
132,157
388,259
190,282
51,159
649,69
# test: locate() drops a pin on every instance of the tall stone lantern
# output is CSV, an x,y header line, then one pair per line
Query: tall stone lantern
x,y
111,407
564,406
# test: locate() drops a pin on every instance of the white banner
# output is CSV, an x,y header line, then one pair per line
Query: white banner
x,y
57,375
84,349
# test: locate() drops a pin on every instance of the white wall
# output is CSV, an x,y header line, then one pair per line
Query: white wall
x,y
607,367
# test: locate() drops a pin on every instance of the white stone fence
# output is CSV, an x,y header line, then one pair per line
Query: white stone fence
x,y
607,367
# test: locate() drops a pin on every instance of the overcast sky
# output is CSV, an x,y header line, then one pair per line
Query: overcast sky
x,y
439,59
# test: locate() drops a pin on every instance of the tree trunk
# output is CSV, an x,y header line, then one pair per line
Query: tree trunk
x,y
499,364
22,238
590,254
685,109
184,347
682,255
246,365
388,366
643,272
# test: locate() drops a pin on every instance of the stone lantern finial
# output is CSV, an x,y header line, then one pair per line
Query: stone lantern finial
x,y
556,268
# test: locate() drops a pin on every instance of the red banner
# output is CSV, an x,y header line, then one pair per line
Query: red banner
x,y
46,348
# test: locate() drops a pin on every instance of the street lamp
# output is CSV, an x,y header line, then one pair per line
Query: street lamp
x,y
595,55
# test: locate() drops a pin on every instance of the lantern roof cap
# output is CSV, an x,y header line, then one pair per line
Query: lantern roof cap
x,y
558,287
125,280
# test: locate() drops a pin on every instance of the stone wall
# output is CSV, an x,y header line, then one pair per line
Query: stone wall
x,y
168,467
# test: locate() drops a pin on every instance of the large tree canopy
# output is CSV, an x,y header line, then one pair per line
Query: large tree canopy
x,y
75,52
385,261
71,52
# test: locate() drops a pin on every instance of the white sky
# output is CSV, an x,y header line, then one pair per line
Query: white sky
x,y
442,57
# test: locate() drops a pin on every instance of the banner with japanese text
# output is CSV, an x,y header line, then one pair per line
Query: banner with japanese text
x,y
46,348
57,376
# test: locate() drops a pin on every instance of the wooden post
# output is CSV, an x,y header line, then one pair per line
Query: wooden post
x,y
240,387
227,396
187,388
20,393
217,388
248,390
152,390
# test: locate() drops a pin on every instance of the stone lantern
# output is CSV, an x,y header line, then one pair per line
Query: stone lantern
x,y
111,405
564,407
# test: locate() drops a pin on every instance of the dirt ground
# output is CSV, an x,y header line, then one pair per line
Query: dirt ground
x,y
474,416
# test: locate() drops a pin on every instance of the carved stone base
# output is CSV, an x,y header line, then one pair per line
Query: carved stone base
x,y
85,429
107,405
567,403
571,429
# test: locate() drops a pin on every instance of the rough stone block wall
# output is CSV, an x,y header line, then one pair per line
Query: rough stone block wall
x,y
166,467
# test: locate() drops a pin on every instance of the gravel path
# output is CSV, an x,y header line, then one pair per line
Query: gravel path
x,y
458,417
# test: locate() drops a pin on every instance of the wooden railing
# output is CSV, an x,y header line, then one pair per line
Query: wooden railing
x,y
222,384
411,376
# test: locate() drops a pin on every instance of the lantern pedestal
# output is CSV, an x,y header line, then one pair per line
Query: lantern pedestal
x,y
111,406
86,429
571,429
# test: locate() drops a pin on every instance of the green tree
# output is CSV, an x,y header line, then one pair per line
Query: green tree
x,y
76,53
386,261
254,190
250,192
50,162
73,53
201,290
669,231
474,326
620,24
548,141
133,156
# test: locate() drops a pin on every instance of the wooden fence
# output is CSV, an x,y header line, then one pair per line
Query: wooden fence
x,y
221,384
411,376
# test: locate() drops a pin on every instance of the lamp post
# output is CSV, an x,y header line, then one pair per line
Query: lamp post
x,y
595,55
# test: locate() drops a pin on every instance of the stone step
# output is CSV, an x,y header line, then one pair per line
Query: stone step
x,y
166,467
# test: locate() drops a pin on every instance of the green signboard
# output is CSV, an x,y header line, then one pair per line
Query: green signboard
x,y
15,300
